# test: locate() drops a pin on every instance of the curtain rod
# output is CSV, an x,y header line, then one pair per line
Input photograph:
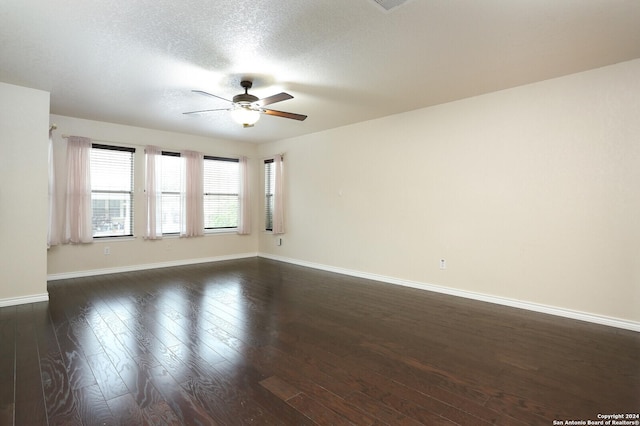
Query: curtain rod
x,y
136,144
99,140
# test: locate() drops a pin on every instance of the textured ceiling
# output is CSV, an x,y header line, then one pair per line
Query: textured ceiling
x,y
136,61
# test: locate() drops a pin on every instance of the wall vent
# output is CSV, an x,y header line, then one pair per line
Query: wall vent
x,y
389,4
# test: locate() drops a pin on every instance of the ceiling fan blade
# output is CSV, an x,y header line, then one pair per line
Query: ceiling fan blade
x,y
285,114
206,110
209,94
273,99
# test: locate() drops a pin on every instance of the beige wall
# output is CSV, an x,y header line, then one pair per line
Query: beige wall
x,y
66,259
24,120
529,194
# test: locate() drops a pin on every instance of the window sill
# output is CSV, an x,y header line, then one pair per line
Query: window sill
x,y
221,231
114,239
207,233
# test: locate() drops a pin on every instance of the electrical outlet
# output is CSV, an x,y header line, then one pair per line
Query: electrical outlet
x,y
443,264
107,251
279,241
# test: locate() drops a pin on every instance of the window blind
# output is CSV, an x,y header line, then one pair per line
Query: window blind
x,y
111,190
269,187
221,186
171,187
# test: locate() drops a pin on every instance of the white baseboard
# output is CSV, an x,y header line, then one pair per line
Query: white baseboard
x,y
545,309
22,300
131,268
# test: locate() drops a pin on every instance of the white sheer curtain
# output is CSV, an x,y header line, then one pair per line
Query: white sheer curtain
x,y
244,199
192,195
78,212
53,233
278,196
153,193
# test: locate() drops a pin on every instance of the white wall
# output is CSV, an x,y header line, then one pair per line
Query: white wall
x,y
24,121
72,260
529,194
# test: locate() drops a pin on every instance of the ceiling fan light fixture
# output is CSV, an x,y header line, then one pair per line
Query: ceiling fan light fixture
x,y
246,109
245,115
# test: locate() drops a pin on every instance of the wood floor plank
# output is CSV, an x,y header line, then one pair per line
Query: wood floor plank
x,y
316,411
92,407
59,400
160,413
384,413
185,408
226,394
84,336
78,370
339,405
107,377
29,398
249,378
126,411
7,370
139,383
280,388
222,404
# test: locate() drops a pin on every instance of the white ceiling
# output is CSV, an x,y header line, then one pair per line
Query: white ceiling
x,y
135,62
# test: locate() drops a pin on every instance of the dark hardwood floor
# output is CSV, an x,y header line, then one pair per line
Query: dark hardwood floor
x,y
259,342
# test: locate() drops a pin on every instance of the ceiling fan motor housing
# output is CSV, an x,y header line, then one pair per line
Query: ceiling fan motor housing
x,y
245,98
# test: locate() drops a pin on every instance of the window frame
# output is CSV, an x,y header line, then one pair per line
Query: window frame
x,y
131,192
268,194
219,229
162,192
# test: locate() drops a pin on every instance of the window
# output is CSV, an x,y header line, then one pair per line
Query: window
x,y
221,181
269,186
112,190
221,185
171,188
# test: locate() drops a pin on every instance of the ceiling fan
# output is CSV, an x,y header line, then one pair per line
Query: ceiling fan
x,y
245,109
